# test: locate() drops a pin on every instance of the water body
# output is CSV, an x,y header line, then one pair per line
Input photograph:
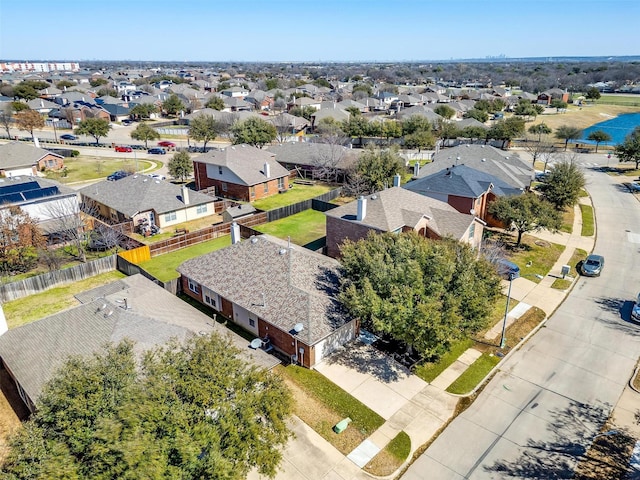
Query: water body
x,y
618,127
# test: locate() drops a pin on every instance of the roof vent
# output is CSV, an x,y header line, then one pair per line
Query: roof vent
x,y
373,197
484,159
135,176
108,314
282,251
233,148
157,181
254,239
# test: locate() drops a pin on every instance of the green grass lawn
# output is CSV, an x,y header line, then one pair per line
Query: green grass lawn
x,y
40,305
163,267
563,283
430,370
473,375
533,256
567,220
588,222
303,227
628,101
296,194
86,167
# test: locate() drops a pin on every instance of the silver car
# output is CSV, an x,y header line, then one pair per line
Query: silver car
x,y
592,265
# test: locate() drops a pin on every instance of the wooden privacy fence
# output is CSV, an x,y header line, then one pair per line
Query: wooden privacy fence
x,y
288,210
137,255
40,283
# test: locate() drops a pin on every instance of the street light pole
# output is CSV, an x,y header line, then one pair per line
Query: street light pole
x,y
503,339
55,132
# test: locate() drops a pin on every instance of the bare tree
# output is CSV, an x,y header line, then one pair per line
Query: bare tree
x,y
6,118
540,147
68,219
330,151
283,124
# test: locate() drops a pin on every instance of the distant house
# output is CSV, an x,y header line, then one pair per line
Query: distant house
x,y
140,198
464,188
241,172
132,308
235,92
282,294
399,210
548,96
19,158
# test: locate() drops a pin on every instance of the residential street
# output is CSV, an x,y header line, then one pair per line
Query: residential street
x,y
549,400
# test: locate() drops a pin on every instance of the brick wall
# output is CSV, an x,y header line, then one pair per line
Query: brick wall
x,y
338,230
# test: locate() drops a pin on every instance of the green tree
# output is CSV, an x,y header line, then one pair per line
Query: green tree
x,y
29,120
143,110
479,115
107,92
271,83
563,184
19,106
474,132
192,410
629,150
539,130
20,239
558,104
204,128
391,129
96,82
375,169
215,103
415,123
254,131
94,127
506,130
420,139
144,132
568,133
173,105
445,111
593,93
425,293
526,213
65,83
180,166
26,91
599,136
304,112
363,87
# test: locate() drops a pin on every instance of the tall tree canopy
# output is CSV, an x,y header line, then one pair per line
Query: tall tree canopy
x,y
180,166
204,128
563,184
29,120
506,130
629,150
568,133
94,127
145,132
193,410
526,213
254,131
599,136
375,169
422,292
173,104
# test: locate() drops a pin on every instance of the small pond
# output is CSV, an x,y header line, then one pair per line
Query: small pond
x,y
618,127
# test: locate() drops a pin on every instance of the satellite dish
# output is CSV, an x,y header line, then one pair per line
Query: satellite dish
x,y
298,327
256,343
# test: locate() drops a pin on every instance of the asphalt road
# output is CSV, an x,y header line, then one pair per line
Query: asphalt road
x,y
549,400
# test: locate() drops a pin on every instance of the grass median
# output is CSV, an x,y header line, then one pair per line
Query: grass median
x,y
389,459
588,221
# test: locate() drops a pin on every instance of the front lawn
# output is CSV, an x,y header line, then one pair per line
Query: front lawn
x,y
534,257
87,167
428,371
303,227
297,193
563,283
389,459
40,305
163,267
567,220
473,375
588,222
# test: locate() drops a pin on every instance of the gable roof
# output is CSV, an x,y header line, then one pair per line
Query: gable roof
x,y
315,153
246,162
284,285
507,166
461,181
140,193
394,208
20,154
151,317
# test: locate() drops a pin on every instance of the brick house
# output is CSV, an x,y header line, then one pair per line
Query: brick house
x,y
399,210
284,295
241,172
19,158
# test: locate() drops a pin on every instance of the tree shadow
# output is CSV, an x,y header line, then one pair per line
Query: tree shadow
x,y
582,446
366,359
623,309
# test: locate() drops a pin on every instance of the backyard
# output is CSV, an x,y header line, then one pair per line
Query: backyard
x,y
303,227
297,193
87,167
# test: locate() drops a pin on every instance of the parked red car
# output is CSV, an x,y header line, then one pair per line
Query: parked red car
x,y
166,144
123,148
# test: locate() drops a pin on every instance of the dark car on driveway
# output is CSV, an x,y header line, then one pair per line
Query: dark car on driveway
x,y
157,151
592,265
118,175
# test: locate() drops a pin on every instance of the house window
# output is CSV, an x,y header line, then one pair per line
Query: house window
x,y
252,322
169,217
201,208
194,287
472,231
281,183
266,187
252,192
224,186
219,170
211,301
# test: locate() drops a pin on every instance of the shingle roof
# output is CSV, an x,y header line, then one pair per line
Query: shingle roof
x,y
461,181
394,208
34,351
507,166
312,153
140,193
20,154
284,286
246,162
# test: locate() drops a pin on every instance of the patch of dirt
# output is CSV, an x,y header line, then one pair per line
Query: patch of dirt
x,y
542,243
12,410
383,464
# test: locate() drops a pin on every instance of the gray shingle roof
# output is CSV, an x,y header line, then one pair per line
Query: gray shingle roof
x,y
394,208
34,351
462,181
246,162
283,286
140,193
507,166
20,154
312,153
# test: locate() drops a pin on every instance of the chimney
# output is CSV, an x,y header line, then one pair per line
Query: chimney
x,y
185,194
267,170
41,103
235,233
396,180
362,208
416,169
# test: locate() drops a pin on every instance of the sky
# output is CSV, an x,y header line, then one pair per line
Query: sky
x,y
315,30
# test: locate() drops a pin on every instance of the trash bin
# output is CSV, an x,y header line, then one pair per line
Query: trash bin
x,y
341,426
